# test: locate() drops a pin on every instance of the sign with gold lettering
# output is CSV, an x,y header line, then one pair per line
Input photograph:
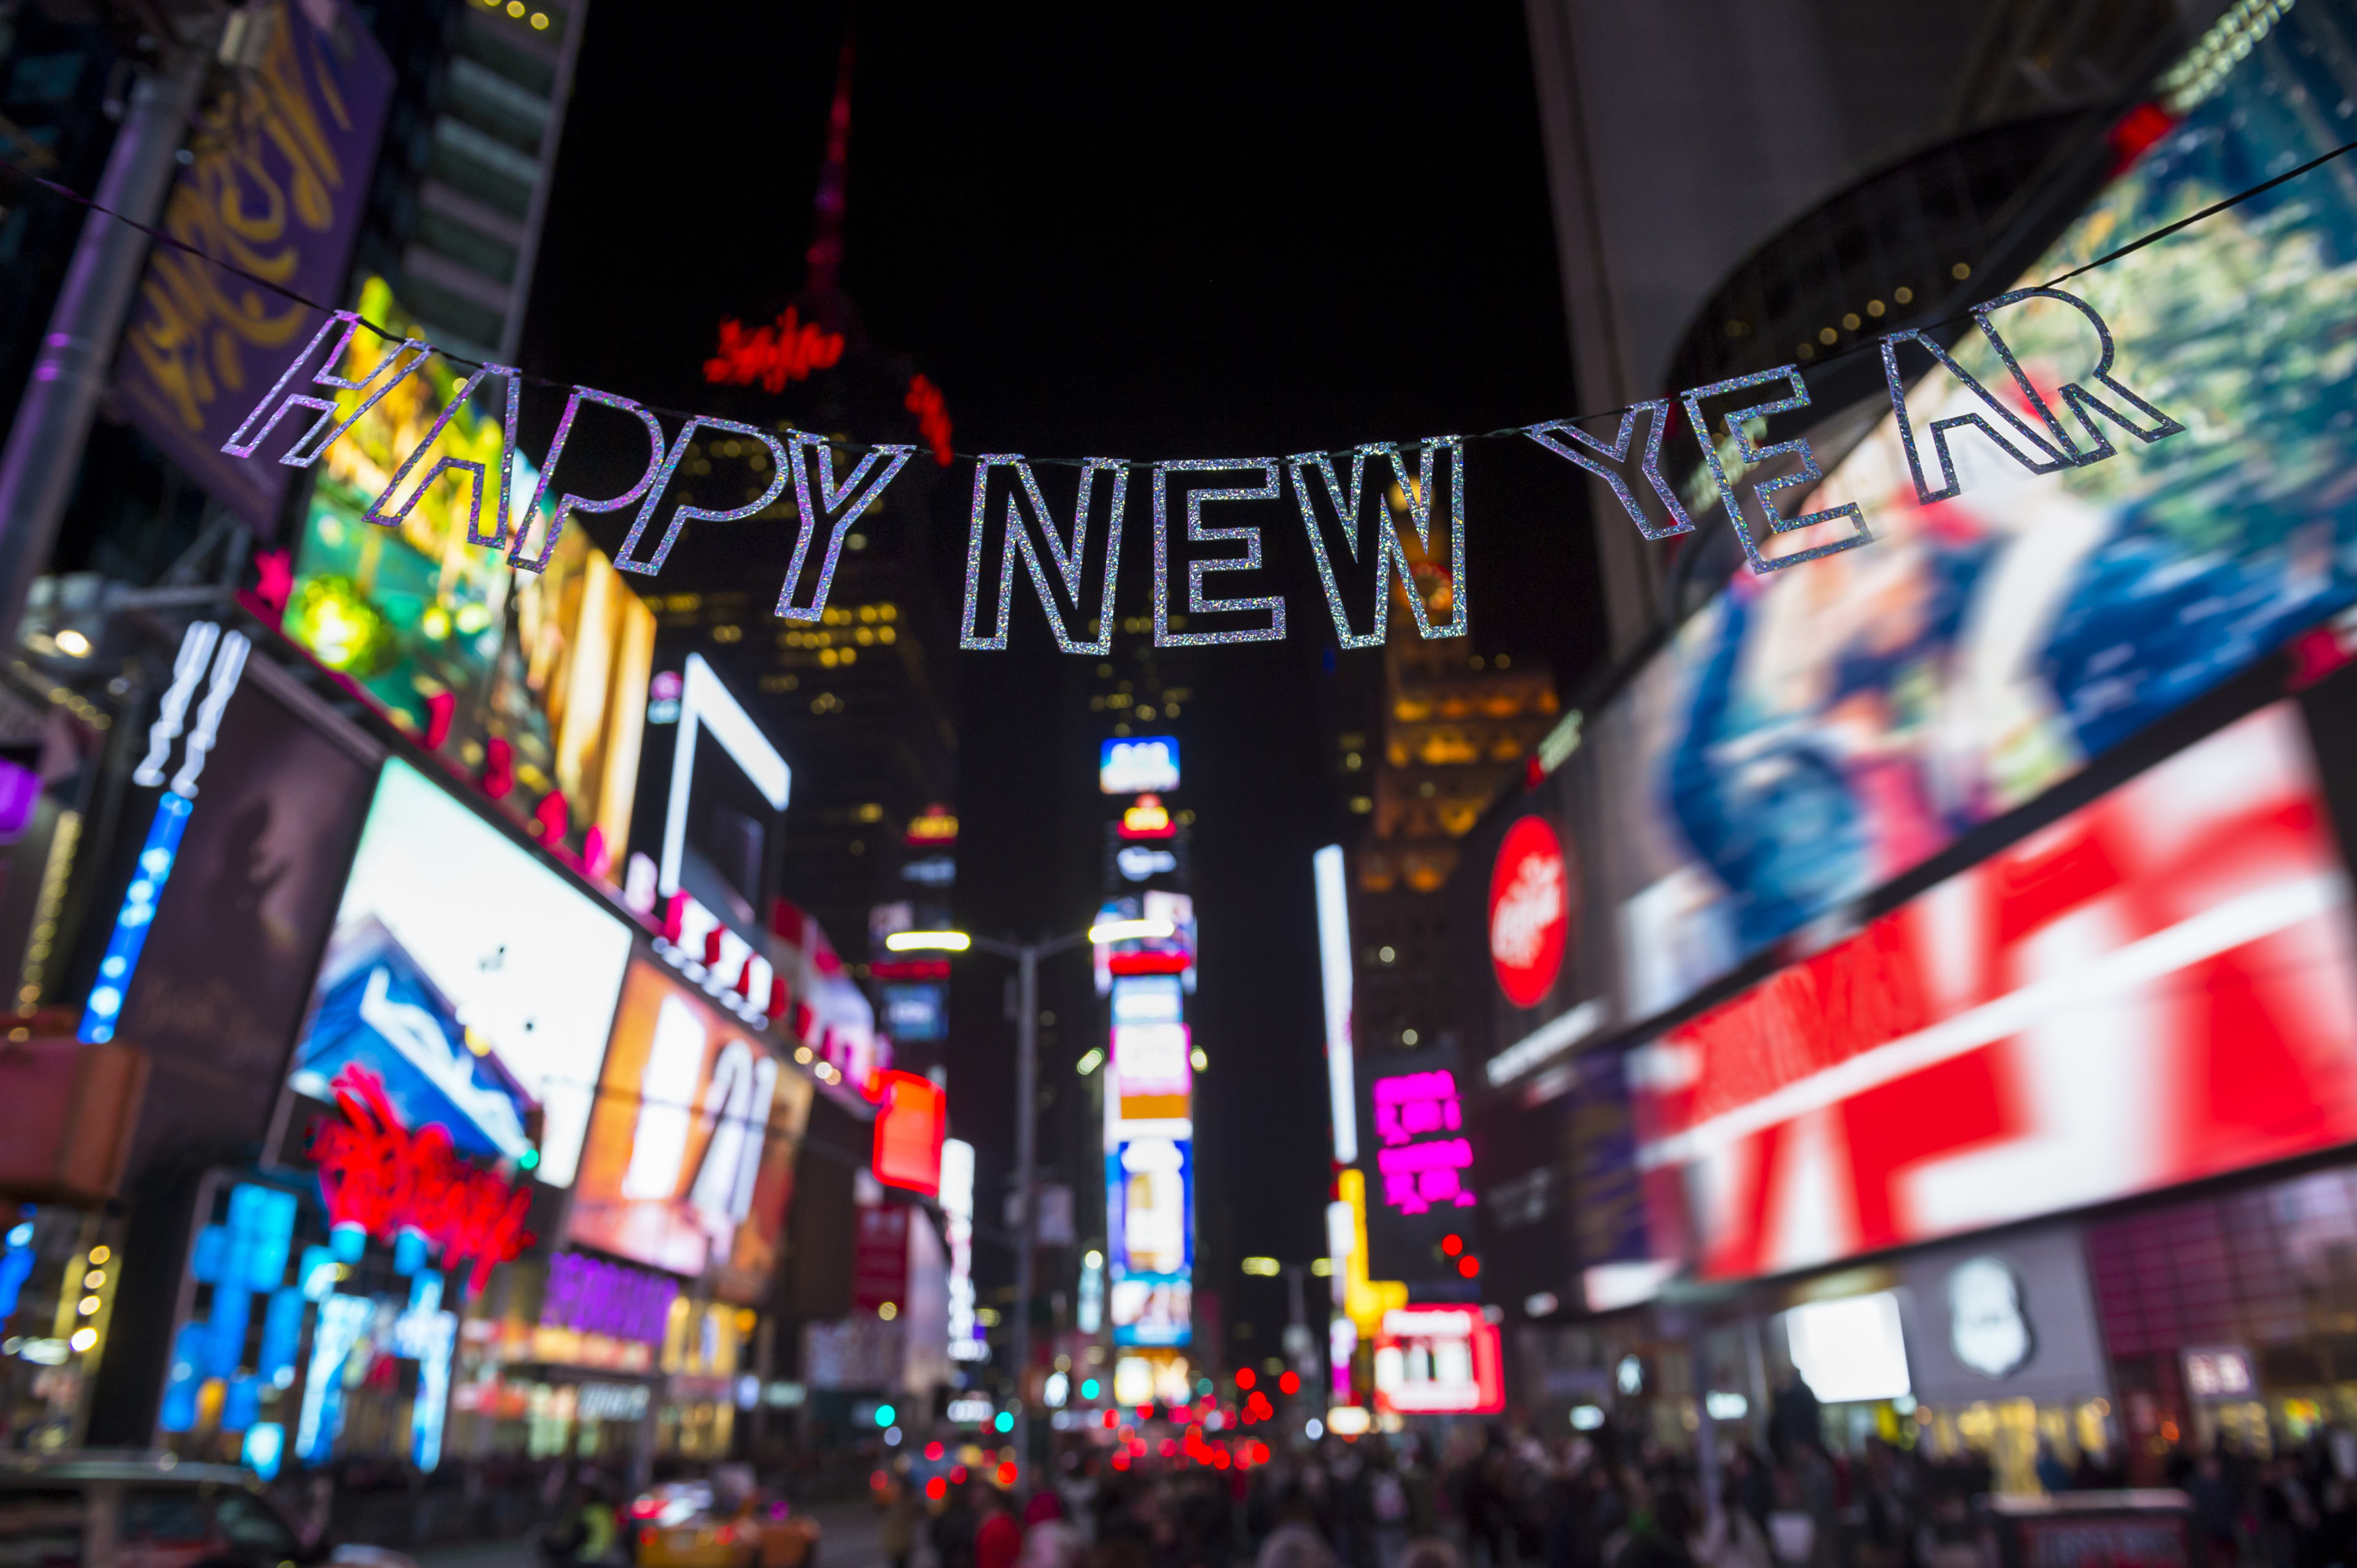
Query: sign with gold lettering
x,y
279,173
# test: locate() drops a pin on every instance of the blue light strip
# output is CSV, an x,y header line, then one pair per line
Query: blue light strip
x,y
131,923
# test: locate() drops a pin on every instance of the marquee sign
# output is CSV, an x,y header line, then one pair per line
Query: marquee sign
x,y
1356,508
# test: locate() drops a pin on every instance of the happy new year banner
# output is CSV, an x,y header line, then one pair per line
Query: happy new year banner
x,y
1357,510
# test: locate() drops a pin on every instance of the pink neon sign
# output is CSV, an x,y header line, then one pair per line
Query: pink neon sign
x,y
1418,1176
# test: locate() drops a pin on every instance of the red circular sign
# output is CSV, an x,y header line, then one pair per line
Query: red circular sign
x,y
1529,911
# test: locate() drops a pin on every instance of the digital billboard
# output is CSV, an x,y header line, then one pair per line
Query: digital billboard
x,y
1149,763
538,680
1152,1078
468,978
1150,1193
1438,1360
1814,734
690,1162
2157,987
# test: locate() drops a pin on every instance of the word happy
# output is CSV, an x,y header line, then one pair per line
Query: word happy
x,y
1346,511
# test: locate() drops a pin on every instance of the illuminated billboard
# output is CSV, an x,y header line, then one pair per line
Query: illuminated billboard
x,y
1811,735
536,681
1134,766
2158,987
1438,1360
1152,1079
1334,976
689,1165
1150,1202
468,978
911,1115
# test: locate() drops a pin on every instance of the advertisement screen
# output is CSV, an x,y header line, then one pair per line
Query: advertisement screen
x,y
1137,767
225,975
469,979
1438,1360
1152,1078
1815,733
2158,987
1150,1200
690,1162
442,634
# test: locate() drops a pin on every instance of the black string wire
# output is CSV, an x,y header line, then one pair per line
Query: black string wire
x,y
1959,317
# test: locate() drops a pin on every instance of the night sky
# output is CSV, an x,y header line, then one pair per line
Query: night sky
x,y
1202,232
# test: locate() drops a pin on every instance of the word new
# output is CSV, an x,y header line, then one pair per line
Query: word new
x,y
378,1176
1352,521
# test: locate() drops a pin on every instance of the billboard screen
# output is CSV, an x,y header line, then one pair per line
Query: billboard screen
x,y
1811,735
1438,1360
1150,1203
224,976
469,979
459,649
1148,763
2157,987
689,1166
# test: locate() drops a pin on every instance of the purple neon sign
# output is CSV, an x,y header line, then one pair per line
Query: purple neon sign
x,y
1418,1176
591,1297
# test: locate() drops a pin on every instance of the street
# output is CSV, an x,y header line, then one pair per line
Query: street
x,y
847,1541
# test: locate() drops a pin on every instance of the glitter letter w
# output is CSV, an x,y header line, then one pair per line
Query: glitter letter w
x,y
1372,549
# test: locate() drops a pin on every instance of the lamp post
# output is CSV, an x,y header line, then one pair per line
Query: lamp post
x,y
1027,957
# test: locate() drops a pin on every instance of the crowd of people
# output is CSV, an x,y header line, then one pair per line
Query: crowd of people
x,y
1480,1498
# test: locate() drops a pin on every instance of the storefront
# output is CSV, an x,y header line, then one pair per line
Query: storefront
x,y
1848,1166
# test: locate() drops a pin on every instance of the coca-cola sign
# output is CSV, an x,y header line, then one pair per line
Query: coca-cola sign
x,y
1529,911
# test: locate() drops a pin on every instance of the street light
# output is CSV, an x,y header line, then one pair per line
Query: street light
x,y
1027,957
928,941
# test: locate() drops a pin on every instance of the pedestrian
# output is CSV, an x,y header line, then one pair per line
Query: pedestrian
x,y
998,1540
1048,1540
897,1537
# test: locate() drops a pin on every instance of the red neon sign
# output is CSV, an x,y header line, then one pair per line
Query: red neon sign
x,y
378,1175
787,351
924,400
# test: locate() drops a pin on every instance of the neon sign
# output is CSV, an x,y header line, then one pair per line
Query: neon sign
x,y
787,351
1419,1175
924,400
380,1179
591,1297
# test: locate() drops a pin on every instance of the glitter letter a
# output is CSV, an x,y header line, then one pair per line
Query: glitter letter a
x,y
387,373
1028,528
1370,547
472,469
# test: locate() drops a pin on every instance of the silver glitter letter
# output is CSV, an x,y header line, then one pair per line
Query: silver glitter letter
x,y
2041,457
2075,396
1197,570
1376,543
1749,455
496,538
684,513
1612,464
386,374
814,459
569,503
1030,527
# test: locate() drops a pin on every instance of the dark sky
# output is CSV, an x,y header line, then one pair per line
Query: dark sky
x,y
1192,231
